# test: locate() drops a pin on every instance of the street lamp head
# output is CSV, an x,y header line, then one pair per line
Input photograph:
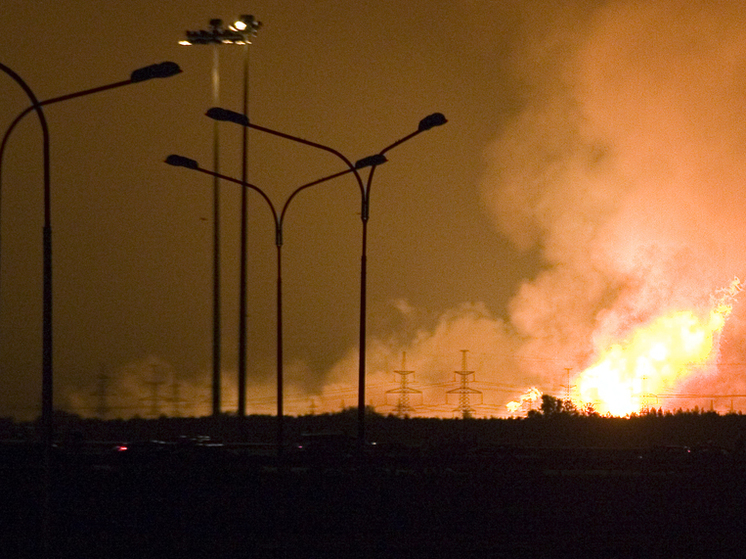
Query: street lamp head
x,y
181,161
370,161
431,121
162,70
247,23
218,113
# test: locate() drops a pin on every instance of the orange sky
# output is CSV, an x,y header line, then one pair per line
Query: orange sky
x,y
588,179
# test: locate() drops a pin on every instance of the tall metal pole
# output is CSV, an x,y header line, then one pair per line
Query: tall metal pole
x,y
364,214
47,424
243,278
46,389
240,33
213,36
216,304
164,69
280,380
430,121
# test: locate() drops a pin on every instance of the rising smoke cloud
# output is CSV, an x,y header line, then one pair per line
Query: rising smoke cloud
x,y
626,168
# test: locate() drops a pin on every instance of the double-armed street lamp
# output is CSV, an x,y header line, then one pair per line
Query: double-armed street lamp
x,y
241,33
180,161
162,70
430,121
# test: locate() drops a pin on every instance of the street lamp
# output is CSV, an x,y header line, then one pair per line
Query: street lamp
x,y
180,161
239,33
427,123
162,70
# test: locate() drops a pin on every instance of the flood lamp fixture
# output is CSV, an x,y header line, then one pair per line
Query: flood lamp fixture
x,y
239,33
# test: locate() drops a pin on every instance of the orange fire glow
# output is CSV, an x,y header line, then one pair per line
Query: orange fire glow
x,y
530,397
655,358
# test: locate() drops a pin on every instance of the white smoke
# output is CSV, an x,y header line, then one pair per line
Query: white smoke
x,y
626,168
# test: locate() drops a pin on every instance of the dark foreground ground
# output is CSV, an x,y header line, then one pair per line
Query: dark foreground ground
x,y
237,502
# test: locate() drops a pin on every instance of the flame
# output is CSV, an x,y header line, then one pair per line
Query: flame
x,y
532,395
655,357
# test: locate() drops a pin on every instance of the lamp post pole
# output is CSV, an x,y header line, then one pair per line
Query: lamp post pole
x,y
46,400
239,33
46,367
162,70
180,161
430,121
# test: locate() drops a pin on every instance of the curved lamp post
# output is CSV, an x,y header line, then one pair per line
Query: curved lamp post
x,y
162,70
239,33
46,406
180,161
430,121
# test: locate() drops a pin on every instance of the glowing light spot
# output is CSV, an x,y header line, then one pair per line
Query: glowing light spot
x,y
658,352
531,396
655,357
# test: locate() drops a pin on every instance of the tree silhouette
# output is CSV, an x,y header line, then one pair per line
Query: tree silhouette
x,y
556,407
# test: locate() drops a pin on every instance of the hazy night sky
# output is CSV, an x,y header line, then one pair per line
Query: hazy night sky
x,y
590,175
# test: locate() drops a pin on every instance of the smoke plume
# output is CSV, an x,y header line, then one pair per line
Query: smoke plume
x,y
625,168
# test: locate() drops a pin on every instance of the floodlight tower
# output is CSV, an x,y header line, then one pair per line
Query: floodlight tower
x,y
464,391
239,33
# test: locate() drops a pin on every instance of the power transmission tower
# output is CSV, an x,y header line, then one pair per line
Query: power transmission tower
x,y
463,391
176,399
102,404
154,398
646,399
403,407
568,387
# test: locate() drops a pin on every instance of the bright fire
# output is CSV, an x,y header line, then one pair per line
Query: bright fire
x,y
655,358
531,396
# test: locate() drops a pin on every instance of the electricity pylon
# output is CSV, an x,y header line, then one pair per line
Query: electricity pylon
x,y
403,407
463,391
